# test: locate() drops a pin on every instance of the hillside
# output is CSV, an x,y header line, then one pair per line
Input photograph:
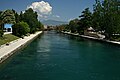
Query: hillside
x,y
53,22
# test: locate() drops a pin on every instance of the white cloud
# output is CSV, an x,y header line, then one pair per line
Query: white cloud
x,y
42,8
70,19
56,16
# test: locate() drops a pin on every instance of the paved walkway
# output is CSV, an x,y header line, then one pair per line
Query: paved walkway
x,y
89,37
7,33
8,49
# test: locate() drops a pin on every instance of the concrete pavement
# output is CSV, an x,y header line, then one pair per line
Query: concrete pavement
x,y
8,50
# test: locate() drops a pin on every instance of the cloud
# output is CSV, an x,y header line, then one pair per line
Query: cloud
x,y
56,16
42,8
70,19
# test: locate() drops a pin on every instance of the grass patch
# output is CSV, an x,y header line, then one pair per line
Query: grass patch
x,y
7,38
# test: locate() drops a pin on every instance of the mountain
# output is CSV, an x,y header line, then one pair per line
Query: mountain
x,y
53,22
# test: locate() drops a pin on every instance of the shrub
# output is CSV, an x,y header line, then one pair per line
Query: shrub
x,y
20,29
1,33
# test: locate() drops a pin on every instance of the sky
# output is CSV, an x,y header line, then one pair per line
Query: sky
x,y
61,10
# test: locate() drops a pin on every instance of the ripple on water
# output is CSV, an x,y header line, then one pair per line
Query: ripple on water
x,y
43,50
56,57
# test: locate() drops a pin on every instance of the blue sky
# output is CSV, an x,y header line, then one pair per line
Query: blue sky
x,y
62,10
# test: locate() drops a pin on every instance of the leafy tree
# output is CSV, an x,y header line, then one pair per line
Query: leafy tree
x,y
31,18
86,18
21,16
1,27
97,16
17,16
20,29
40,26
1,33
111,17
73,25
8,16
105,17
80,28
0,15
0,19
66,27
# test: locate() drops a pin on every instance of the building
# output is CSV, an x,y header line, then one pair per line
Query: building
x,y
91,32
8,27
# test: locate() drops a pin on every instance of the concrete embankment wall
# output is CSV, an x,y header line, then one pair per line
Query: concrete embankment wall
x,y
93,38
9,50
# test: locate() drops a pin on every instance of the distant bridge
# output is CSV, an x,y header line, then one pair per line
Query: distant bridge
x,y
48,28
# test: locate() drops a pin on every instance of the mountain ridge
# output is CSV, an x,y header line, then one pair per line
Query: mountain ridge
x,y
53,22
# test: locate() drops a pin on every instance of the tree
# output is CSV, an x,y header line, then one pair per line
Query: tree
x,y
17,16
86,18
1,27
106,17
97,16
8,16
73,25
31,18
80,28
21,16
40,26
1,33
111,17
20,29
0,17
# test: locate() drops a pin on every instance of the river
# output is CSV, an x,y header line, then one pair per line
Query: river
x,y
61,57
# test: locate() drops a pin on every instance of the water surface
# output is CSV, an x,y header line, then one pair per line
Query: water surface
x,y
60,57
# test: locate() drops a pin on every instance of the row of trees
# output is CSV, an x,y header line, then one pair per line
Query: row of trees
x,y
23,23
105,18
1,32
31,18
6,17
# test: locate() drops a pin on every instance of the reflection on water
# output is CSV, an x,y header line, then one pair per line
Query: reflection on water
x,y
60,57
43,49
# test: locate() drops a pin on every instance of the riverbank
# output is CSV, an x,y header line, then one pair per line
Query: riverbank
x,y
7,38
93,38
8,50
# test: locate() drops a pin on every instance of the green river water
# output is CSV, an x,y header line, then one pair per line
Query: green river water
x,y
61,57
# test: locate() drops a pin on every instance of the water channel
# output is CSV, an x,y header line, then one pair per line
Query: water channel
x,y
55,56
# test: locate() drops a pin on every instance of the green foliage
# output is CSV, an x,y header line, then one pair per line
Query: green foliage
x,y
106,17
86,18
97,16
8,16
20,29
1,29
0,15
60,28
31,18
17,16
85,21
1,33
7,38
73,25
80,28
40,26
